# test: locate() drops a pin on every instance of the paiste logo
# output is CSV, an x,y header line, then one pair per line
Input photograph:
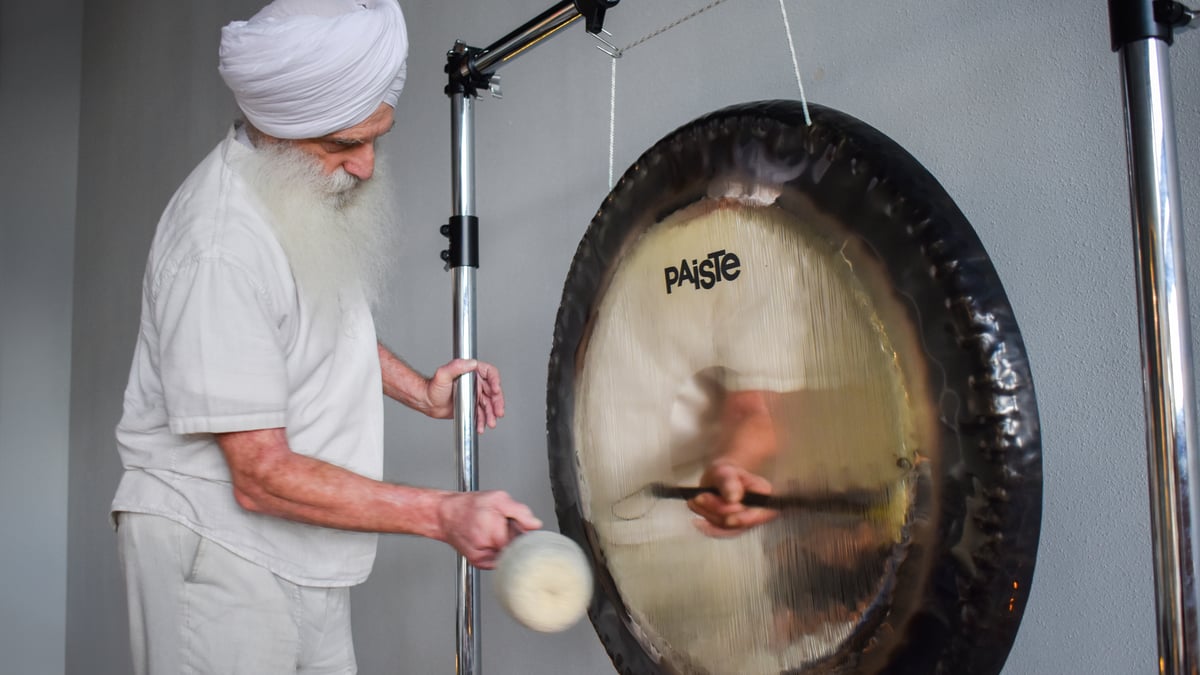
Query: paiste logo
x,y
716,267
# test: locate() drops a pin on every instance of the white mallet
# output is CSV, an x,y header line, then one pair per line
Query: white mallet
x,y
544,581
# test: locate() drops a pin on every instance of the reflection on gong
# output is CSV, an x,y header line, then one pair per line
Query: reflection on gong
x,y
804,306
675,341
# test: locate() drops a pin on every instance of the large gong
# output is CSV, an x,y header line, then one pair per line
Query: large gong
x,y
821,271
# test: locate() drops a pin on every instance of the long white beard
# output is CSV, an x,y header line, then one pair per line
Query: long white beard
x,y
338,231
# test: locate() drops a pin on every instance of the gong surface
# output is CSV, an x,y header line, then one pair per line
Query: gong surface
x,y
823,271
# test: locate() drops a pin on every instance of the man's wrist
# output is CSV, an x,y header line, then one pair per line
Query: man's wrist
x,y
441,505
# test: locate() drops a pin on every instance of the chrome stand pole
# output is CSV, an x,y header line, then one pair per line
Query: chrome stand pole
x,y
1165,332
469,71
463,172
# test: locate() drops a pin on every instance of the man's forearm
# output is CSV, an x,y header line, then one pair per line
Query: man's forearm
x,y
269,478
400,381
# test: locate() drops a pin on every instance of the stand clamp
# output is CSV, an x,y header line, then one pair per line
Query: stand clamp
x,y
465,78
1175,14
463,233
593,13
1133,20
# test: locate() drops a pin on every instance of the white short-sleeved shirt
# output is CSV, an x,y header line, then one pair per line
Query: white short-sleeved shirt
x,y
226,344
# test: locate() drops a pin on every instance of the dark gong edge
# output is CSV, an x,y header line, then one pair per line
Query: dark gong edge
x,y
988,510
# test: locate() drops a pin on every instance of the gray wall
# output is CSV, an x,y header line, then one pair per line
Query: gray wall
x,y
39,113
1014,106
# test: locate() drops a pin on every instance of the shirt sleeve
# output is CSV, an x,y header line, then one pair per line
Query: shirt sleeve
x,y
221,355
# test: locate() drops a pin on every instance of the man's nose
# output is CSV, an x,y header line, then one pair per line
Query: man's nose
x,y
361,163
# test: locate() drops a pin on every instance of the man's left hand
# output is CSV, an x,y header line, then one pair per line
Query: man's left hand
x,y
489,397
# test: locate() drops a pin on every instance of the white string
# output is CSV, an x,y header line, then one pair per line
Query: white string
x,y
787,26
612,122
617,53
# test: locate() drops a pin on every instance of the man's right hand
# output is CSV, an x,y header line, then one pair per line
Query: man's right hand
x,y
476,524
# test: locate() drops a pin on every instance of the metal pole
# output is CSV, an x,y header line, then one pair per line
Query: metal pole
x,y
522,39
469,71
1165,333
463,178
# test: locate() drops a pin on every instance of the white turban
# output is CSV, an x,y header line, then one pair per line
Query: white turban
x,y
307,68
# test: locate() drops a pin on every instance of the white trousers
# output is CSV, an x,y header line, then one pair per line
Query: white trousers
x,y
196,608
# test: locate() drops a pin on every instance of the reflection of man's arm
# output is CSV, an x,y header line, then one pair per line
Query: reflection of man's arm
x,y
747,440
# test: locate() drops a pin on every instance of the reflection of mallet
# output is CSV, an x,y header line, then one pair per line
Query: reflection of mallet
x,y
543,580
639,503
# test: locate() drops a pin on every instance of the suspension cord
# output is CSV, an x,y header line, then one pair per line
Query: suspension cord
x,y
617,52
612,121
787,27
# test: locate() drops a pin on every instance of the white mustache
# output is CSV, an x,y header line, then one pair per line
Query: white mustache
x,y
341,182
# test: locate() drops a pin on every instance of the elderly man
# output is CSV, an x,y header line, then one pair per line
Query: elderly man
x,y
252,434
